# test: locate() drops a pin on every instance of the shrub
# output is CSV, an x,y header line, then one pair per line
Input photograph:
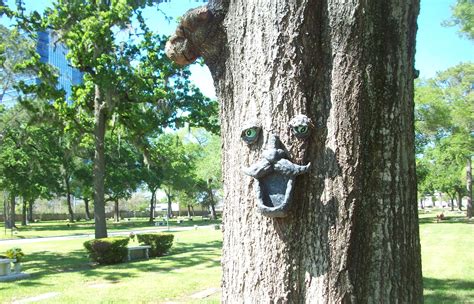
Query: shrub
x,y
160,243
15,253
111,250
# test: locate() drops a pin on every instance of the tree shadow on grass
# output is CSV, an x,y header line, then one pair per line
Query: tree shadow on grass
x,y
184,255
448,291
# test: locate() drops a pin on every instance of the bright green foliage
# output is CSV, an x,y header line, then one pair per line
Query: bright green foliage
x,y
123,160
29,159
107,251
14,48
444,111
463,16
129,83
160,243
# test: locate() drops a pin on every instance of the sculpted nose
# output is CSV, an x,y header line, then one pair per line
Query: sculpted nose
x,y
273,151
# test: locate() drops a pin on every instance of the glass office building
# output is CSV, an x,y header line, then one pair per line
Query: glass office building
x,y
53,52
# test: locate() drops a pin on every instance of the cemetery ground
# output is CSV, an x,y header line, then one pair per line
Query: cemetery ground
x,y
63,228
190,273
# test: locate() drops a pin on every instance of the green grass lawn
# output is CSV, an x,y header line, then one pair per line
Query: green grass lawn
x,y
193,265
447,249
61,228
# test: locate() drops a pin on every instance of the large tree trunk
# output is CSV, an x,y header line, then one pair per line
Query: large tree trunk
x,y
351,234
99,165
86,206
469,187
68,200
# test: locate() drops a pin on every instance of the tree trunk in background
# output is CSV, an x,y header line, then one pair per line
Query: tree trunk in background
x,y
86,205
212,205
30,211
116,211
469,187
452,202
68,200
99,165
6,211
460,200
352,233
422,203
12,211
152,206
170,211
23,212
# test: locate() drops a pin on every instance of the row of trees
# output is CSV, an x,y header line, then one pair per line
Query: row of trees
x,y
111,135
444,124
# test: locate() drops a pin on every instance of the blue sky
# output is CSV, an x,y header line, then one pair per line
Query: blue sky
x,y
438,47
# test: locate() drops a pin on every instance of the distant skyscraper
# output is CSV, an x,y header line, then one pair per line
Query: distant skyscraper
x,y
53,52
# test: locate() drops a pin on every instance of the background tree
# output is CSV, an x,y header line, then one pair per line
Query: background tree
x,y
122,77
29,165
463,17
352,233
178,165
208,170
13,49
123,175
444,127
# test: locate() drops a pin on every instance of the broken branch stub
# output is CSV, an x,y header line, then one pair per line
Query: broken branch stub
x,y
189,40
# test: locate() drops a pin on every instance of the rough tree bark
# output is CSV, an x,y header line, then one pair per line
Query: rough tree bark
x,y
99,165
352,232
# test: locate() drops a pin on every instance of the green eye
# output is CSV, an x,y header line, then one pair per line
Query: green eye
x,y
301,131
250,135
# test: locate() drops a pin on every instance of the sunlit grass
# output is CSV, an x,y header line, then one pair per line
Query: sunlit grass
x,y
447,257
192,265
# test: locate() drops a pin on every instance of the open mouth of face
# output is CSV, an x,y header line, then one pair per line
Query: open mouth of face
x,y
275,176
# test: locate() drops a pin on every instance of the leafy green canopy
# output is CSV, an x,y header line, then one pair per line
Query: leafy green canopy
x,y
463,16
444,110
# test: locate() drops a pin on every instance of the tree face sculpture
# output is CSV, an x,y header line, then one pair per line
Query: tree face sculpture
x,y
274,173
